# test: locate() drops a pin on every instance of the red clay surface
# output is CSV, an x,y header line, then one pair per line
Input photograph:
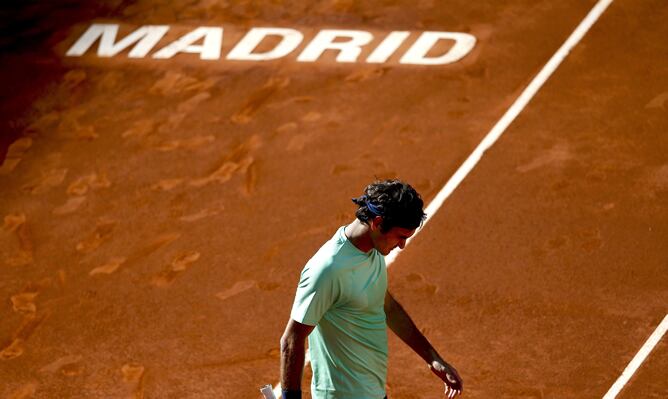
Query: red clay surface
x,y
650,381
157,214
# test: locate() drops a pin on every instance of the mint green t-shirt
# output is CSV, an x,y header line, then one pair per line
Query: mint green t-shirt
x,y
342,292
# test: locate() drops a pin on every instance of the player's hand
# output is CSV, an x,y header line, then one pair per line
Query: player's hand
x,y
453,382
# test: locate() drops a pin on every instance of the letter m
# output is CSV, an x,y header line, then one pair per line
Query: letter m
x,y
145,38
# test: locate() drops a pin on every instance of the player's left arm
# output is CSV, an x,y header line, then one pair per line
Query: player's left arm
x,y
402,325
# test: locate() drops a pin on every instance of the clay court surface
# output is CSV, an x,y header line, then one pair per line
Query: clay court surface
x,y
157,213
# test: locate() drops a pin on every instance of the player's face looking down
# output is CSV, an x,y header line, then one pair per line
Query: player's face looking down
x,y
385,241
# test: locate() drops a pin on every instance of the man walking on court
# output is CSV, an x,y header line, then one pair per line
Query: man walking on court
x,y
342,304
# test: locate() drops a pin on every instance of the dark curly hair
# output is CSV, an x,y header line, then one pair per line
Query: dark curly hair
x,y
395,201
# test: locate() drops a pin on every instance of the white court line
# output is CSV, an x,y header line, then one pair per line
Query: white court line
x,y
510,115
503,123
638,359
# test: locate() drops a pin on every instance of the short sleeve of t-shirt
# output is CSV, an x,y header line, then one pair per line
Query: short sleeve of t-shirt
x,y
317,291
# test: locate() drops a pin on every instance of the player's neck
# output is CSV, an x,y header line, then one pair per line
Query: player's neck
x,y
358,234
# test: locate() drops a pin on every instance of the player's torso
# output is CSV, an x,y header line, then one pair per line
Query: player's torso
x,y
363,290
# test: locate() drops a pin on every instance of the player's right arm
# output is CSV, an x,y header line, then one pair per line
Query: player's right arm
x,y
293,352
317,291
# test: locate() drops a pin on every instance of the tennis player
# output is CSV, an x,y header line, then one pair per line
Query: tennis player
x,y
343,307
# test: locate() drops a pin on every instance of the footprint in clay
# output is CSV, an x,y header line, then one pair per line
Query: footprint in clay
x,y
236,289
133,376
179,264
16,347
103,232
24,392
68,366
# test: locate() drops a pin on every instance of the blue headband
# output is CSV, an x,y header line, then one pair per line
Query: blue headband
x,y
371,207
